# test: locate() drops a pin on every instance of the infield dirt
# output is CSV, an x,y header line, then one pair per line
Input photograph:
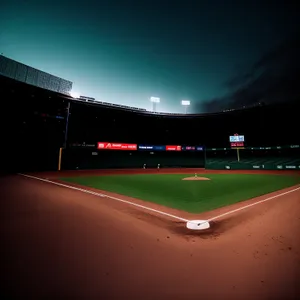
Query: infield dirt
x,y
60,243
195,178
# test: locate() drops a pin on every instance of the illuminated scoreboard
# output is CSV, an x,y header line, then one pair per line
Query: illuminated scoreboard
x,y
237,141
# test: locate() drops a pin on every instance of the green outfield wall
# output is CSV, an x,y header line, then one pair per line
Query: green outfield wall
x,y
105,159
251,158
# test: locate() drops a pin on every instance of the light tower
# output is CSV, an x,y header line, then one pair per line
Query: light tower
x,y
185,103
154,100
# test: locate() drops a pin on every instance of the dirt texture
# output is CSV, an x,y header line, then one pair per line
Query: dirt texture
x,y
195,178
59,243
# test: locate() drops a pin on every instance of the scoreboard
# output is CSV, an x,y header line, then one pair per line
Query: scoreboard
x,y
237,141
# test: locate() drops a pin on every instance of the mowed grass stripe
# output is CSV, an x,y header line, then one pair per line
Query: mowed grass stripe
x,y
191,196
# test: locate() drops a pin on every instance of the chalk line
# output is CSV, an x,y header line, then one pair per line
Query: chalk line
x,y
155,210
104,195
252,204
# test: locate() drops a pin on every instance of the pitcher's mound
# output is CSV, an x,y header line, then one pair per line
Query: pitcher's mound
x,y
195,178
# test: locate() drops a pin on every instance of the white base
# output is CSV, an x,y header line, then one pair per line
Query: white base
x,y
197,225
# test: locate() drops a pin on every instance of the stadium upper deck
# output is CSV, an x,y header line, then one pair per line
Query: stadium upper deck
x,y
34,124
93,121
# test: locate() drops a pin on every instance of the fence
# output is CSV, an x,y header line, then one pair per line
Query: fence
x,y
267,158
106,159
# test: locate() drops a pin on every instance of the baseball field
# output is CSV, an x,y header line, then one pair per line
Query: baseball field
x,y
115,234
195,193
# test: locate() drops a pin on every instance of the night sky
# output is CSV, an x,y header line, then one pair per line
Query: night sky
x,y
126,51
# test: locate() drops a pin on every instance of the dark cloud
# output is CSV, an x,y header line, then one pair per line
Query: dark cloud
x,y
273,78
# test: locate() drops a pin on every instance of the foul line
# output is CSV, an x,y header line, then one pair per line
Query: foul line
x,y
252,204
103,195
154,210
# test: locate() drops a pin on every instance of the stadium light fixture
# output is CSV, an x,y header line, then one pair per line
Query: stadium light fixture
x,y
154,100
185,103
75,95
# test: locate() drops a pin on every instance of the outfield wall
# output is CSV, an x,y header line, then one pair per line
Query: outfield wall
x,y
92,159
251,158
264,158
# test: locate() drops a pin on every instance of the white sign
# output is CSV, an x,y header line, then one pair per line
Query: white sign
x,y
237,138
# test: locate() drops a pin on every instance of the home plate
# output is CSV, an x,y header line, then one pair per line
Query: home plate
x,y
198,224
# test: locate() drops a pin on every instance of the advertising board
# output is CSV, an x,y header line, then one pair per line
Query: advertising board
x,y
152,147
115,146
173,148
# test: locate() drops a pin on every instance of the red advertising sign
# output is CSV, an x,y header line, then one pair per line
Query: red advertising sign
x,y
237,145
116,146
173,148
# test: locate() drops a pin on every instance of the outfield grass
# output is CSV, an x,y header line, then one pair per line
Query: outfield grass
x,y
190,196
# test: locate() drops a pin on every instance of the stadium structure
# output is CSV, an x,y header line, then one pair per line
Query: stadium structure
x,y
50,130
110,196
23,73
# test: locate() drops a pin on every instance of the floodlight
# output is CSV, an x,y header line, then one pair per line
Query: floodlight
x,y
185,102
75,95
155,99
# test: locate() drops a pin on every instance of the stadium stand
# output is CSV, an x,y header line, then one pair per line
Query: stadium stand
x,y
34,126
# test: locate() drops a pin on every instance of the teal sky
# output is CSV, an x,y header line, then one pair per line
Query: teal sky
x,y
126,51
